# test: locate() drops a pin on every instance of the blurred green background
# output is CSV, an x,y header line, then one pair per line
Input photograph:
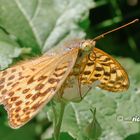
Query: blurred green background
x,y
29,27
110,14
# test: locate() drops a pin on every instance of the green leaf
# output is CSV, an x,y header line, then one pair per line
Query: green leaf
x,y
9,49
113,109
40,24
16,21
25,133
43,23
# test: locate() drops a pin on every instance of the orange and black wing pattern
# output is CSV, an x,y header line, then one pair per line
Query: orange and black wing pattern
x,y
100,66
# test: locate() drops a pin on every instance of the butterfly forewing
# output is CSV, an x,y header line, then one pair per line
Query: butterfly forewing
x,y
12,76
102,67
27,87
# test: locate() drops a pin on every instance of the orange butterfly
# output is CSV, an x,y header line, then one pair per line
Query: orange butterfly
x,y
28,86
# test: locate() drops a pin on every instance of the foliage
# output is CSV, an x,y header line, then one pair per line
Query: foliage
x,y
40,25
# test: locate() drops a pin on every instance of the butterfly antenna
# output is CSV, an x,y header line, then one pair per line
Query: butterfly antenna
x,y
123,26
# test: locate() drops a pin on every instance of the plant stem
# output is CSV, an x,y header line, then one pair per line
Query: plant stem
x,y
55,114
59,122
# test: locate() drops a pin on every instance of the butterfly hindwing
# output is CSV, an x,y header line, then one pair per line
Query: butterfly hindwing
x,y
102,67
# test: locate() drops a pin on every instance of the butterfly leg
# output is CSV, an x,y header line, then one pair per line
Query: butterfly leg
x,y
79,88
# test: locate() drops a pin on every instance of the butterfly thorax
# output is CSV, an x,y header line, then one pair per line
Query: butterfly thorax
x,y
70,89
86,48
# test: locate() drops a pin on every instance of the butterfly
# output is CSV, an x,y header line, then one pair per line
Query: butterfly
x,y
28,86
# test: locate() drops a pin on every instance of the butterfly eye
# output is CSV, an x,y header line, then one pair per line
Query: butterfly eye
x,y
88,45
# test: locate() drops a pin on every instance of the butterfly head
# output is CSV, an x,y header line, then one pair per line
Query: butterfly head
x,y
87,45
